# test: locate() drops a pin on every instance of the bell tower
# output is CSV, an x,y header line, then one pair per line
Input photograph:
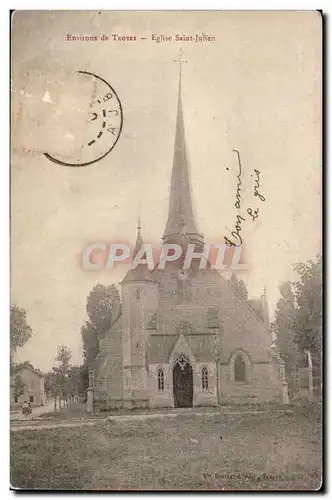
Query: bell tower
x,y
139,299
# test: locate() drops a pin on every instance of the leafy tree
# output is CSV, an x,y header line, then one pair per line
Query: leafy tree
x,y
48,382
284,327
308,295
60,380
17,386
90,339
100,305
103,306
75,381
298,323
63,357
20,331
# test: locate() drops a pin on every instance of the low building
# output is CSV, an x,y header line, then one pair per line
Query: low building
x,y
32,387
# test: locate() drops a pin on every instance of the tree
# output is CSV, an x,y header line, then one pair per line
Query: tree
x,y
308,328
17,386
76,381
308,295
90,339
63,357
60,378
49,383
284,327
103,306
298,323
20,331
101,303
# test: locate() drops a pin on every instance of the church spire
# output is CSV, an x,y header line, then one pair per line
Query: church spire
x,y
139,240
181,219
141,272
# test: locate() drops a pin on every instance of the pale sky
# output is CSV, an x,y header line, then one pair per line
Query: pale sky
x,y
256,89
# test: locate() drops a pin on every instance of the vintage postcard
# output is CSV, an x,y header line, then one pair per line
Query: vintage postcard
x,y
166,250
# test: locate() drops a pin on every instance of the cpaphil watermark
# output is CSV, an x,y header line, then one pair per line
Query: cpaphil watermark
x,y
105,256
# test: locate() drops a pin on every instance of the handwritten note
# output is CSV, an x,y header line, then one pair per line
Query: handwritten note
x,y
253,213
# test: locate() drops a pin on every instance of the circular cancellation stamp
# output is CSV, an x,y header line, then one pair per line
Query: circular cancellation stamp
x,y
102,125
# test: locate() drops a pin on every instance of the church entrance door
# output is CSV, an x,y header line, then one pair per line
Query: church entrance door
x,y
183,383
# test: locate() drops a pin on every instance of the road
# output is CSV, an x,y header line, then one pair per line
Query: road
x,y
36,412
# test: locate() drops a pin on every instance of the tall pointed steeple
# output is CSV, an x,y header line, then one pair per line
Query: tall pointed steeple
x,y
181,219
141,272
139,240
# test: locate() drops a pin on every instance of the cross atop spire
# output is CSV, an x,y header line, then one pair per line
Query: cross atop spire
x,y
181,219
139,227
139,240
180,61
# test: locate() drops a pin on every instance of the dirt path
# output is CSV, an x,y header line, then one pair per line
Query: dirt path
x,y
39,425
36,412
43,424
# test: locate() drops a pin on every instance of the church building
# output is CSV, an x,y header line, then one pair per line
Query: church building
x,y
184,338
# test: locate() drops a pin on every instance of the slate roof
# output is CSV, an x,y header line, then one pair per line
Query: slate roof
x,y
257,306
161,347
204,347
140,273
32,370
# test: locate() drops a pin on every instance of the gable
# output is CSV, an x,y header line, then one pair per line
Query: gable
x,y
160,347
242,328
181,347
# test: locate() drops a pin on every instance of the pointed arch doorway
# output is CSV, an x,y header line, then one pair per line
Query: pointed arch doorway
x,y
183,386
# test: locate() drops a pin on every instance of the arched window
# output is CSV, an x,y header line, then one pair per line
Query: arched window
x,y
239,369
32,384
205,378
161,382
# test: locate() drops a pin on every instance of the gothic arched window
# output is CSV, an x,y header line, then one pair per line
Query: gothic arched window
x,y
161,382
239,369
205,378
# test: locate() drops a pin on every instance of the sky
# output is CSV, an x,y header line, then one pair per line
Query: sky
x,y
256,89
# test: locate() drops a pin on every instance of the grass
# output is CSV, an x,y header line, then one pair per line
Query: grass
x,y
257,451
73,411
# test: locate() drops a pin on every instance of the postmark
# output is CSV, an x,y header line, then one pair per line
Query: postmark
x,y
105,119
72,118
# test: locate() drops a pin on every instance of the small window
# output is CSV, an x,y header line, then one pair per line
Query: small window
x,y
239,369
30,399
138,294
161,382
16,399
205,378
